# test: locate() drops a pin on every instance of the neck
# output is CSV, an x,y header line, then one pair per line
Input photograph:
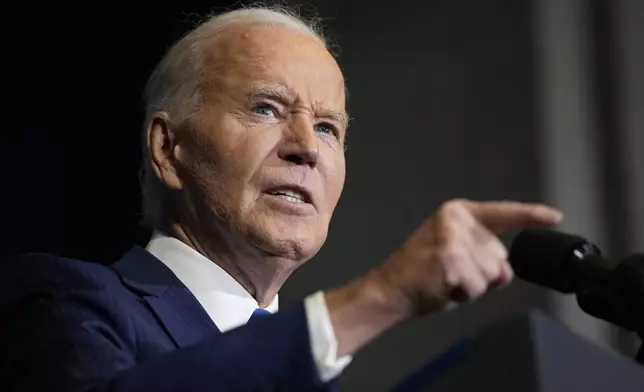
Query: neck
x,y
260,274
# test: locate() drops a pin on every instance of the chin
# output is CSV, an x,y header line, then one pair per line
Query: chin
x,y
293,243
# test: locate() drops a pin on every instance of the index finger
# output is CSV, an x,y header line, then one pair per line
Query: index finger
x,y
499,216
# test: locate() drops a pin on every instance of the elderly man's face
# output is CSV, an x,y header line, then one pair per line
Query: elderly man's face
x,y
266,159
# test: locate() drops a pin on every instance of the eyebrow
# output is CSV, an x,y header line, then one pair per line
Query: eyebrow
x,y
283,95
339,117
287,96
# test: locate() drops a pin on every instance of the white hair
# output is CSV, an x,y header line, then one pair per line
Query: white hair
x,y
175,85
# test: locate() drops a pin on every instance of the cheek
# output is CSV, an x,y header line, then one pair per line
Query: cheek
x,y
213,181
236,163
243,166
334,180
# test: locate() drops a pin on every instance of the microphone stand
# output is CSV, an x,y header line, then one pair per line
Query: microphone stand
x,y
629,282
619,298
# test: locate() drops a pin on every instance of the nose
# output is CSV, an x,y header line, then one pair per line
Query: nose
x,y
300,144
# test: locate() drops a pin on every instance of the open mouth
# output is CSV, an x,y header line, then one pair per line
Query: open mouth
x,y
291,194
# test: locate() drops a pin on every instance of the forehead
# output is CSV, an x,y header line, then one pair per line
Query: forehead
x,y
243,57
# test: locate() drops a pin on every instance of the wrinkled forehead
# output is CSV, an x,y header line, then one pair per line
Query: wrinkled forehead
x,y
245,57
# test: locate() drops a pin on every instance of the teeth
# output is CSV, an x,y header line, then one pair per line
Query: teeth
x,y
292,196
292,199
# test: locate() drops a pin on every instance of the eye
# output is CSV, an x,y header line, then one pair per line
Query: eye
x,y
325,128
265,109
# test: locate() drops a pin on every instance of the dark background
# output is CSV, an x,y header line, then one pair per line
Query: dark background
x,y
447,100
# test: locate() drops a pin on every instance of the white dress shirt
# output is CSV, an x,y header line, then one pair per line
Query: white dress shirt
x,y
229,305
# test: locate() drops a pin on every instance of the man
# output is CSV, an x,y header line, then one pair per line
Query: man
x,y
243,167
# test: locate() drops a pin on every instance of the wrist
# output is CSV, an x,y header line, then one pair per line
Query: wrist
x,y
380,291
364,309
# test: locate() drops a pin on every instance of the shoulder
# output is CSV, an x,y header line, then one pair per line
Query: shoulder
x,y
49,273
46,267
65,293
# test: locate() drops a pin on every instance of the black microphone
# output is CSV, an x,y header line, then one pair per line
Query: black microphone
x,y
610,290
560,261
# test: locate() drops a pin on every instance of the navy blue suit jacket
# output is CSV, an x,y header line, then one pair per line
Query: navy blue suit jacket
x,y
70,325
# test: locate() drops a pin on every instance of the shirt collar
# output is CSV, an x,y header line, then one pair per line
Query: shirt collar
x,y
226,301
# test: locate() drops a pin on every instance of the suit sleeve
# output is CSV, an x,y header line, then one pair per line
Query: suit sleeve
x,y
61,339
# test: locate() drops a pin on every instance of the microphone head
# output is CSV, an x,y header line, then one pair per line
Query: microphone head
x,y
549,258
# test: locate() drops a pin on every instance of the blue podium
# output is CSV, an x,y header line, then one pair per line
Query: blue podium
x,y
528,353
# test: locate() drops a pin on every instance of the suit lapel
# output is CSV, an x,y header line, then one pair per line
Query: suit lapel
x,y
181,315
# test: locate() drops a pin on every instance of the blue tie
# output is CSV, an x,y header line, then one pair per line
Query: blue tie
x,y
258,313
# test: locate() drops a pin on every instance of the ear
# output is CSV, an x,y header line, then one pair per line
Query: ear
x,y
163,149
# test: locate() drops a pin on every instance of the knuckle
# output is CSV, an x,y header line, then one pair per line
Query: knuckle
x,y
451,252
495,248
493,271
476,289
458,212
508,272
452,207
502,251
452,277
482,287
